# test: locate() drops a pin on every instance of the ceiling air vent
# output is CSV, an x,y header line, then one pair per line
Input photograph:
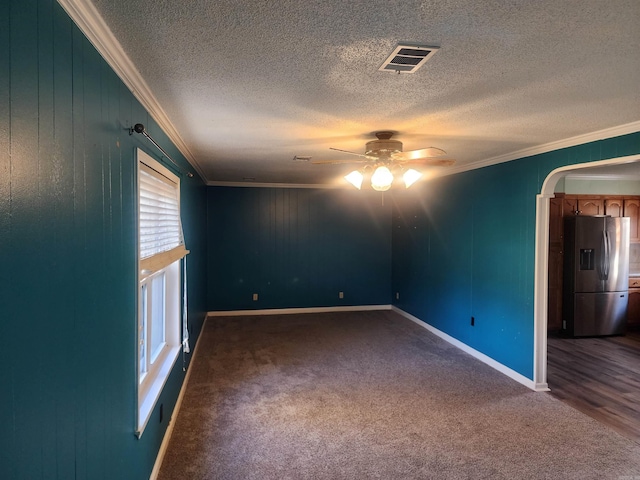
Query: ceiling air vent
x,y
407,58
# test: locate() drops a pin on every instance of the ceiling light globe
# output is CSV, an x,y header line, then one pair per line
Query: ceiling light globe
x,y
410,177
381,179
355,178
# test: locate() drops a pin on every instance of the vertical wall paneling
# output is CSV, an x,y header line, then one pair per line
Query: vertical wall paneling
x,y
95,377
63,188
46,184
80,328
297,248
7,329
112,214
68,244
25,239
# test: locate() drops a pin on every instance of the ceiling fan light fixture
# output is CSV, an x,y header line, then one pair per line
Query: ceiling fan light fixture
x,y
410,177
355,178
381,179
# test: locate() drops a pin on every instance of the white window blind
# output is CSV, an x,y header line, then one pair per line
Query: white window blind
x,y
161,240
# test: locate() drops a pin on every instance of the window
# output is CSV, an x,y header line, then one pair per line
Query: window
x,y
160,280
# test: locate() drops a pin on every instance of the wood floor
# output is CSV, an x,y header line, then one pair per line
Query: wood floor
x,y
600,377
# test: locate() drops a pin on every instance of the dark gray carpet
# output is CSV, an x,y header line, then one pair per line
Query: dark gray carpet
x,y
371,395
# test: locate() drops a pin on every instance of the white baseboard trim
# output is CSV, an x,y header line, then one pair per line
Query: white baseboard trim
x,y
174,415
287,311
475,353
541,387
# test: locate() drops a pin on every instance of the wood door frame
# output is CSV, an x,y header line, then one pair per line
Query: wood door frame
x,y
541,280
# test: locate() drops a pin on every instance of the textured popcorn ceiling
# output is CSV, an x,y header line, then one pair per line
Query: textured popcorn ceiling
x,y
250,84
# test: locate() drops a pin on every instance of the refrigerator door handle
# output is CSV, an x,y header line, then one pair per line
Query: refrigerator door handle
x,y
607,254
603,256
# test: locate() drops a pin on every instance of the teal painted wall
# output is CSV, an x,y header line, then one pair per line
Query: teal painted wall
x,y
463,246
297,248
68,256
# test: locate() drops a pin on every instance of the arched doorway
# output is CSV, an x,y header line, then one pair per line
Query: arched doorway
x,y
542,260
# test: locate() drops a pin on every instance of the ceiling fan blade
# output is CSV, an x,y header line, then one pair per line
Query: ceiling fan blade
x,y
337,162
432,162
354,153
428,152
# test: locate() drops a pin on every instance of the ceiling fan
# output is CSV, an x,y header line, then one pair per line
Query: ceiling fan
x,y
384,156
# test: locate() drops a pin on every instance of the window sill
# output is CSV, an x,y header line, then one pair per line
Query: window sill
x,y
148,400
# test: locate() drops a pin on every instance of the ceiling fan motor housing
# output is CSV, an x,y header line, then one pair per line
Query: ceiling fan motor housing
x,y
384,146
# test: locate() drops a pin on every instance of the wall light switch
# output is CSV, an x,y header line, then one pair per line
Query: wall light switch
x,y
255,297
397,295
341,295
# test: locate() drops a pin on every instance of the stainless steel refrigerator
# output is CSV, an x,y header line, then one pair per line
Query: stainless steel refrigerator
x,y
596,275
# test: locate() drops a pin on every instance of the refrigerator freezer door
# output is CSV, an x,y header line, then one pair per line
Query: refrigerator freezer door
x,y
600,313
616,255
589,254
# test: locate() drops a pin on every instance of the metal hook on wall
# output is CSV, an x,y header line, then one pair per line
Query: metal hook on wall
x,y
139,128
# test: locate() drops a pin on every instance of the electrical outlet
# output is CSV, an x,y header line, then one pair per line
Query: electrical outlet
x,y
255,297
473,321
341,295
397,295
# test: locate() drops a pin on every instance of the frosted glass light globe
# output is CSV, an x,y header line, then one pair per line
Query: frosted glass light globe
x,y
355,178
381,179
410,177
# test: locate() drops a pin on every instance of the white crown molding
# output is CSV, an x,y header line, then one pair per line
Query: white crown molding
x,y
547,147
275,185
631,178
89,21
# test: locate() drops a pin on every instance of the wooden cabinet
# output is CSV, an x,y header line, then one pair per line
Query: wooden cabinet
x,y
554,312
555,220
632,210
569,206
556,229
585,204
613,207
590,206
